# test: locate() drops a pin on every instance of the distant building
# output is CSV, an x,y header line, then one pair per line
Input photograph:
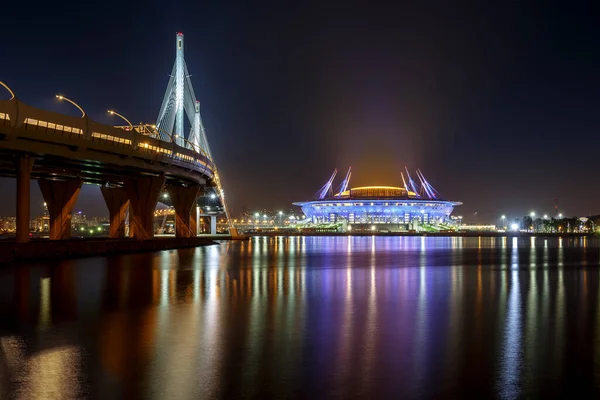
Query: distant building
x,y
41,223
380,207
8,224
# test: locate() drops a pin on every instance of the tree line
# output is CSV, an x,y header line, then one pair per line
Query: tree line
x,y
559,225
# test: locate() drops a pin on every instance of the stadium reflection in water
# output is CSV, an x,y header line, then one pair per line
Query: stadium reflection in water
x,y
301,316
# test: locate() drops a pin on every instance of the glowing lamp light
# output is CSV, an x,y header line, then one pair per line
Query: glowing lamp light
x,y
372,227
12,94
165,196
61,97
213,196
514,227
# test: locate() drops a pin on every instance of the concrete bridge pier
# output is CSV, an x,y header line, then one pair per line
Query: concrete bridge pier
x,y
60,197
24,166
117,202
183,199
194,221
213,224
143,196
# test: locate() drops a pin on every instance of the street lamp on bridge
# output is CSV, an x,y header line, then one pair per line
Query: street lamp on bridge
x,y
112,112
194,147
12,94
60,97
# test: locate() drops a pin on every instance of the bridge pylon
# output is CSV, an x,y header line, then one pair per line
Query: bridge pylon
x,y
179,102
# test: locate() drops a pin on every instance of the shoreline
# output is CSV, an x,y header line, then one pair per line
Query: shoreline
x,y
432,234
12,253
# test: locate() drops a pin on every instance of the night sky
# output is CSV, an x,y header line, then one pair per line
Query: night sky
x,y
497,105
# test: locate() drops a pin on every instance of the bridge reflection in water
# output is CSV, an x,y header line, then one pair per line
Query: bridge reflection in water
x,y
308,316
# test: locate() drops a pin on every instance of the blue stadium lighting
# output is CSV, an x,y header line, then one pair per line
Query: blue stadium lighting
x,y
326,189
345,182
411,184
377,205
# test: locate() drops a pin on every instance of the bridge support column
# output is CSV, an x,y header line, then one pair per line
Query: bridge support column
x,y
143,195
60,197
24,167
194,221
117,202
213,224
184,199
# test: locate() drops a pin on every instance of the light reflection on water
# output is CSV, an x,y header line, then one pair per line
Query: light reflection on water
x,y
308,316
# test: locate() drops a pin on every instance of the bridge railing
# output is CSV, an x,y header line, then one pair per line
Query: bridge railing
x,y
18,117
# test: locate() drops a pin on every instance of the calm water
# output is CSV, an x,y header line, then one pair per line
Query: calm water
x,y
386,317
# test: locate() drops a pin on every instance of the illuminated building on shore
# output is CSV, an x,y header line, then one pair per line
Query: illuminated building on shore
x,y
8,224
398,208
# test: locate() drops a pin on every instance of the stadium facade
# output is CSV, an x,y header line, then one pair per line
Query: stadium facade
x,y
379,207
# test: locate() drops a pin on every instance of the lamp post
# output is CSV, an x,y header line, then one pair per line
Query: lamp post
x,y
532,215
60,97
503,218
192,145
112,112
12,94
280,217
83,115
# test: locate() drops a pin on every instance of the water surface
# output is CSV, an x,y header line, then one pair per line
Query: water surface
x,y
301,317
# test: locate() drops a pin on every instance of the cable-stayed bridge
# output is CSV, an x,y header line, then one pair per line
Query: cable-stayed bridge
x,y
133,164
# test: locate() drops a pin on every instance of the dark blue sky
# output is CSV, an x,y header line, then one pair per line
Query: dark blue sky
x,y
498,104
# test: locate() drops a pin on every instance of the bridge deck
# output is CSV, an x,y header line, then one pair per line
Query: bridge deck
x,y
67,147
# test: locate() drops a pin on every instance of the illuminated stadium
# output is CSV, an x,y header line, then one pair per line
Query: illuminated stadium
x,y
391,208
